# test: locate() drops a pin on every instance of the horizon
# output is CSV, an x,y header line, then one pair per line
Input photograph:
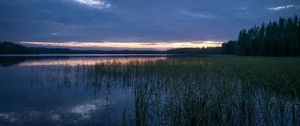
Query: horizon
x,y
155,46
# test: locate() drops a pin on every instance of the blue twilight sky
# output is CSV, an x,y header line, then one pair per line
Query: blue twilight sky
x,y
136,20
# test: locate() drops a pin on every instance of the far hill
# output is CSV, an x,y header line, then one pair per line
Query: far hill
x,y
208,50
13,48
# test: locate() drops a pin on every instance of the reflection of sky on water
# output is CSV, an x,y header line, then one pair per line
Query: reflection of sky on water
x,y
28,97
80,61
70,113
74,91
69,109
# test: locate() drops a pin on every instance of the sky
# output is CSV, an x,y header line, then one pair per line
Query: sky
x,y
135,24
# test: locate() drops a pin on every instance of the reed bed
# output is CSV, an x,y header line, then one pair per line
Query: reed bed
x,y
221,90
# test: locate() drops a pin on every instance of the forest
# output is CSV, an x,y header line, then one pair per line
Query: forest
x,y
275,38
7,47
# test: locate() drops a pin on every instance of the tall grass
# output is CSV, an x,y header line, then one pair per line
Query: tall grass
x,y
201,91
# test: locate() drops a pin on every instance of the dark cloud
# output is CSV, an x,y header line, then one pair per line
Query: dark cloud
x,y
135,20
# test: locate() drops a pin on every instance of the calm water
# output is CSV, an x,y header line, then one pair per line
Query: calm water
x,y
135,90
55,89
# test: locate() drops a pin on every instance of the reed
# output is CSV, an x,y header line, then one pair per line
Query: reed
x,y
220,90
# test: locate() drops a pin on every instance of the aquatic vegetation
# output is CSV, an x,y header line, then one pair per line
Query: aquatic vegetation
x,y
213,90
210,90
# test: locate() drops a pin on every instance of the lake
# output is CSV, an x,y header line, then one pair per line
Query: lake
x,y
148,90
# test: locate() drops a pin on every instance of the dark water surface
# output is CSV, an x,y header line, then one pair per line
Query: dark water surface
x,y
53,89
148,90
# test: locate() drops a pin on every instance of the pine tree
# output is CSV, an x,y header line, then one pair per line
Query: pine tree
x,y
280,38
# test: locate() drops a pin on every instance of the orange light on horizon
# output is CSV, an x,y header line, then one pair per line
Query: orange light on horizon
x,y
90,62
129,45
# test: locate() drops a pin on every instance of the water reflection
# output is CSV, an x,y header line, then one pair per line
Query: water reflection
x,y
143,91
85,62
74,59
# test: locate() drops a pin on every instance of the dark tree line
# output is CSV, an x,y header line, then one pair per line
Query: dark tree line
x,y
7,47
277,38
13,48
208,50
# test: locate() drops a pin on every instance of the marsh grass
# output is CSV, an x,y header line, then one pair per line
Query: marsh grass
x,y
219,90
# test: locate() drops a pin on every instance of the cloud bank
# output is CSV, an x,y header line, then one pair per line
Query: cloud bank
x,y
135,20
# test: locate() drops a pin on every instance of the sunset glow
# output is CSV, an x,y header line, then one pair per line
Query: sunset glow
x,y
128,45
89,62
